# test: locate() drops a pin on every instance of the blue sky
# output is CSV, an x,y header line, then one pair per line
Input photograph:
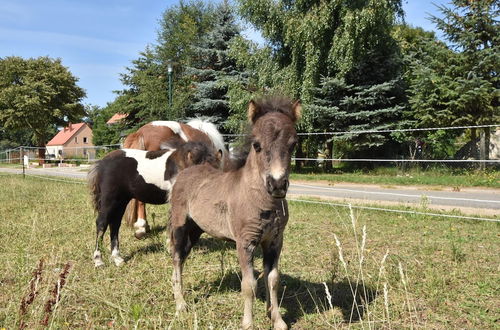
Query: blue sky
x,y
97,39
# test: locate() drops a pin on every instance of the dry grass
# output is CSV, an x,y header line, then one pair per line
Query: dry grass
x,y
339,269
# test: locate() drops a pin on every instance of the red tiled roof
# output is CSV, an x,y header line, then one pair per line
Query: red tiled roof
x,y
116,118
65,134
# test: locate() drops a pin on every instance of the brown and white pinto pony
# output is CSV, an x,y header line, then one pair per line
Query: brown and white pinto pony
x,y
245,205
145,175
154,136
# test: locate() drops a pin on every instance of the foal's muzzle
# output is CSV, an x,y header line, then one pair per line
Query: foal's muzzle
x,y
277,187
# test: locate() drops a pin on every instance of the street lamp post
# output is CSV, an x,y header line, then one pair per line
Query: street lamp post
x,y
170,69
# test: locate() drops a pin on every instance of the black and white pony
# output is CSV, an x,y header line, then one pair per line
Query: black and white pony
x,y
147,176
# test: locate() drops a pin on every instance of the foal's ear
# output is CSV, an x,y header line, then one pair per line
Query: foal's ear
x,y
219,155
190,158
254,111
296,111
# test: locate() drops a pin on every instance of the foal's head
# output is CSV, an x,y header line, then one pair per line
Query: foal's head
x,y
273,140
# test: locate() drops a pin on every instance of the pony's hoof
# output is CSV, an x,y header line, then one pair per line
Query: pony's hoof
x,y
280,325
247,325
140,234
98,263
118,261
180,308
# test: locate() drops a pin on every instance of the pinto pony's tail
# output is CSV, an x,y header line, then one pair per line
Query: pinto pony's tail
x,y
95,188
130,214
133,141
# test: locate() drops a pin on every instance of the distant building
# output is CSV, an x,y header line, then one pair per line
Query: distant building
x,y
75,140
116,118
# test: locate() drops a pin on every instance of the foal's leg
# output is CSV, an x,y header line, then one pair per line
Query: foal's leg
x,y
182,239
271,252
141,225
248,282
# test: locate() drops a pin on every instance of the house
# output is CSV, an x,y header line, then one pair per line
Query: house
x,y
72,141
116,118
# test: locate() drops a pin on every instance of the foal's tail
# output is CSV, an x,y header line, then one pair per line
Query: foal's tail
x,y
95,188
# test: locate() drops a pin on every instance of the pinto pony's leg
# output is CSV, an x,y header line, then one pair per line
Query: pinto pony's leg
x,y
271,253
116,214
248,282
101,225
141,225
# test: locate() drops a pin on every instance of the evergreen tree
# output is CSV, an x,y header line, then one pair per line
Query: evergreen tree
x,y
211,68
472,29
146,97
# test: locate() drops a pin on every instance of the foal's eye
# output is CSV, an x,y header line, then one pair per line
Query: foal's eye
x,y
256,146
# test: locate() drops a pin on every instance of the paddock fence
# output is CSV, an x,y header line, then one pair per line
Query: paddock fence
x,y
28,159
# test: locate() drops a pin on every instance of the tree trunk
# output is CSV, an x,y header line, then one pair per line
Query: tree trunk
x,y
299,154
484,147
329,154
41,151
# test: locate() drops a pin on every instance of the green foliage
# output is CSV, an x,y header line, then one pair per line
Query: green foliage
x,y
212,69
343,107
38,94
107,134
457,84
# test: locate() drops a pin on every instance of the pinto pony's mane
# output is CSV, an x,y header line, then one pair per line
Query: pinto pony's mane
x,y
211,130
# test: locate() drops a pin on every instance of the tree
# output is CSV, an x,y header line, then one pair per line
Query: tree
x,y
102,133
38,94
313,43
473,31
145,98
211,68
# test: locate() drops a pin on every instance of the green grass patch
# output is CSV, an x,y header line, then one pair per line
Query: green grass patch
x,y
395,176
438,273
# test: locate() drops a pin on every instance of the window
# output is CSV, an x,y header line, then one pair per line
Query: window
x,y
85,139
76,139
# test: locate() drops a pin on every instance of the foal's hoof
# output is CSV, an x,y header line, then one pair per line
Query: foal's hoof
x,y
180,308
280,325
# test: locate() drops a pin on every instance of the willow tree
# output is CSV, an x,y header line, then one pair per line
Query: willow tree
x,y
311,42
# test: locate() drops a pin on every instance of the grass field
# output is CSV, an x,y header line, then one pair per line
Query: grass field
x,y
395,176
412,271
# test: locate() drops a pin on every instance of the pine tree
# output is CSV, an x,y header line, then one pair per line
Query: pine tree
x,y
472,29
211,68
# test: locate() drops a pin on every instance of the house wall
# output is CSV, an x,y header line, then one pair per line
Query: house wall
x,y
79,148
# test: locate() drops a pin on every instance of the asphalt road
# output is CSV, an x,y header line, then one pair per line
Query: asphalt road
x,y
465,198
481,201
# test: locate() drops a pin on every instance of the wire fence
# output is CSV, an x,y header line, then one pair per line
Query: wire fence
x,y
90,154
332,204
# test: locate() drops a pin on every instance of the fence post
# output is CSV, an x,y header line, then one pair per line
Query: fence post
x,y
21,155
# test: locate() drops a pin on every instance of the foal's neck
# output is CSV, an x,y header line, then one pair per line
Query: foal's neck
x,y
254,184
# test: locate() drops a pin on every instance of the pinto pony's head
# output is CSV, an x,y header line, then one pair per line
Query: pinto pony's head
x,y
273,140
196,153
